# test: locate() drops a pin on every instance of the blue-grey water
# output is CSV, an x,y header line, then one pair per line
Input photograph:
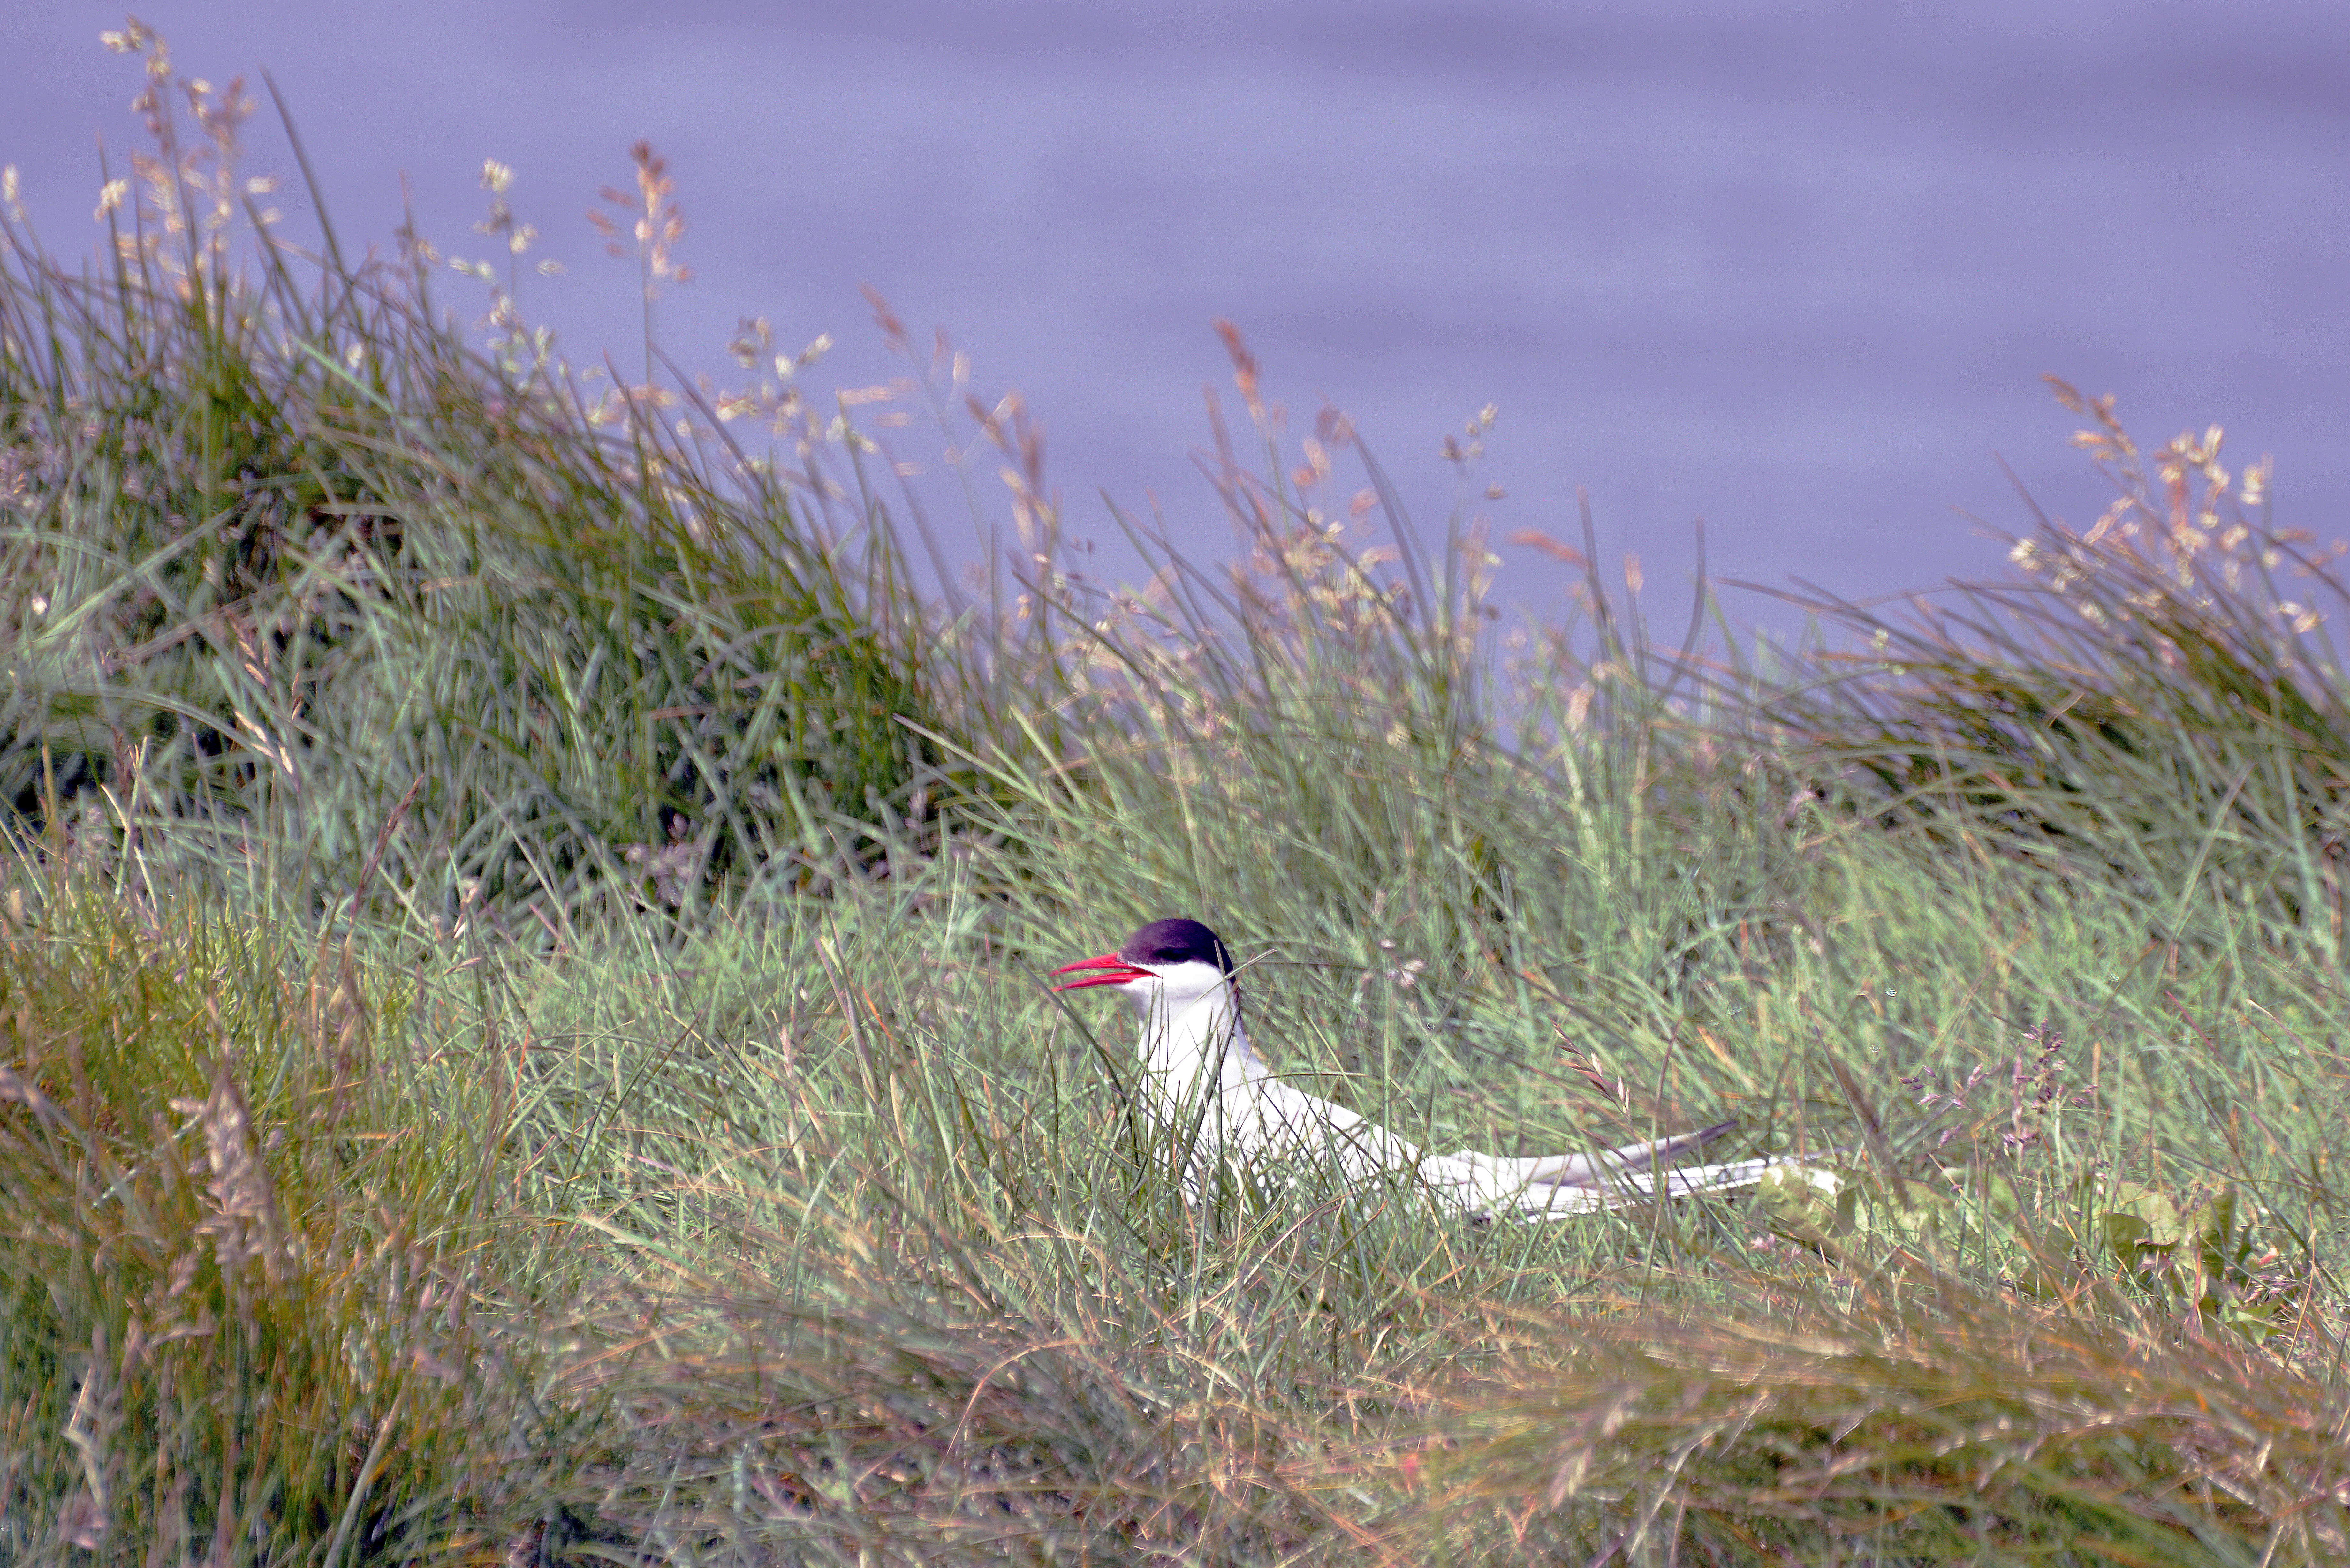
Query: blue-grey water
x,y
1793,267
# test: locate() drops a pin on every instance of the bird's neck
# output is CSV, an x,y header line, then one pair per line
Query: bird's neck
x,y
1201,1042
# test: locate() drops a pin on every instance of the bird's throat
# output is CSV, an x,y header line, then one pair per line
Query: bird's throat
x,y
1197,1047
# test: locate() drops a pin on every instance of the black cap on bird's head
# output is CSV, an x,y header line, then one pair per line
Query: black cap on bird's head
x,y
1161,944
1177,941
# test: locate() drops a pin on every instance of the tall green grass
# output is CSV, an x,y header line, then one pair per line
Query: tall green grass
x,y
525,1035
287,553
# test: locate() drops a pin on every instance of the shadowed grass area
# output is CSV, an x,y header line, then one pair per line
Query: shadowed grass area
x,y
522,1036
1941,1426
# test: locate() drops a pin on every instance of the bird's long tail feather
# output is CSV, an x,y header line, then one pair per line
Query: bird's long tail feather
x,y
1605,1168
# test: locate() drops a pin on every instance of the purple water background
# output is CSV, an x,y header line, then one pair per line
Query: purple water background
x,y
1794,268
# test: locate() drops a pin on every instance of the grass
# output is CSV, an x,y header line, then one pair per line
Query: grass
x,y
305,558
524,1038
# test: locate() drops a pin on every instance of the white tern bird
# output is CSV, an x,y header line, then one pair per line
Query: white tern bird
x,y
1199,1072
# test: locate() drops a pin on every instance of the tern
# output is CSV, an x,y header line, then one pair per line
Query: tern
x,y
1201,1078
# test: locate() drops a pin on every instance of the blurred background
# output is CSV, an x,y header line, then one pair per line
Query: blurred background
x,y
1794,269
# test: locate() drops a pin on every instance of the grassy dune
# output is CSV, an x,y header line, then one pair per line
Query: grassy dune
x,y
521,1037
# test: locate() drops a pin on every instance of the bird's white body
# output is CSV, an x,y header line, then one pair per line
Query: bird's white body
x,y
1204,1090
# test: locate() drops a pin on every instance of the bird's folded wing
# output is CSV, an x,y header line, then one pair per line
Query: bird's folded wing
x,y
1266,1117
1602,1168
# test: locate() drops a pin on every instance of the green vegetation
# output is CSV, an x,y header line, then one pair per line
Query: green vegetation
x,y
521,1038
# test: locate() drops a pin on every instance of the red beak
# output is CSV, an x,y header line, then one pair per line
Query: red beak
x,y
1115,970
